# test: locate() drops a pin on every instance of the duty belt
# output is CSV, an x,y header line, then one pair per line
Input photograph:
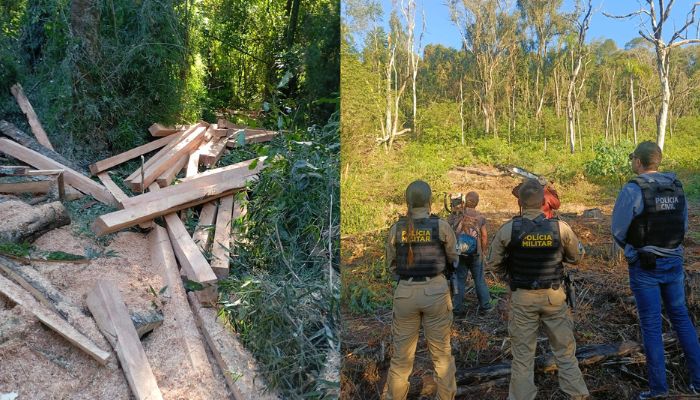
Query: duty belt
x,y
416,278
535,285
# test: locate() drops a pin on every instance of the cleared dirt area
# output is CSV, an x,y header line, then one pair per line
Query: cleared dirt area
x,y
605,312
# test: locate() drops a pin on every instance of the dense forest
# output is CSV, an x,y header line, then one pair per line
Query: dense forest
x,y
526,86
100,72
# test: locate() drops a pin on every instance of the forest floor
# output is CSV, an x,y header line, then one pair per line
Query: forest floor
x,y
37,363
605,312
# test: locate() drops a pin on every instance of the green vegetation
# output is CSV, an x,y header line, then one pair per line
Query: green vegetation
x,y
15,249
279,297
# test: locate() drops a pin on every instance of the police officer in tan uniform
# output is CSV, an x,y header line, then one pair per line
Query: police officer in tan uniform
x,y
530,249
419,248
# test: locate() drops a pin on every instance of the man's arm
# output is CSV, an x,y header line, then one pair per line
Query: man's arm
x,y
496,255
390,250
447,236
484,237
629,204
573,250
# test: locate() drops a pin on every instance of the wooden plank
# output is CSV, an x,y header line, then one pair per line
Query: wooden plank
x,y
210,183
116,191
159,130
202,233
113,161
26,187
175,139
108,308
241,166
193,164
222,238
12,132
73,178
252,136
167,177
178,310
183,148
238,364
210,155
28,110
53,321
189,256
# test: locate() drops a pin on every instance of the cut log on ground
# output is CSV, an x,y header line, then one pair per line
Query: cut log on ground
x,y
113,161
167,177
475,171
162,130
170,199
26,223
231,356
222,238
26,184
587,355
33,119
177,307
176,138
212,152
72,177
17,295
108,308
12,132
202,233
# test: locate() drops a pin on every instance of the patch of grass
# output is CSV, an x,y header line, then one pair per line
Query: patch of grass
x,y
61,256
83,213
15,249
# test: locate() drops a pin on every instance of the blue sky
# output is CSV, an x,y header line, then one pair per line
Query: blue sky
x,y
440,29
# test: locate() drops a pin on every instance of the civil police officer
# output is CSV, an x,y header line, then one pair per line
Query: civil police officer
x,y
649,222
530,250
419,249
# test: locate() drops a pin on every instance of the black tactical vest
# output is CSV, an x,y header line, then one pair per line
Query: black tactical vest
x,y
429,257
661,223
534,252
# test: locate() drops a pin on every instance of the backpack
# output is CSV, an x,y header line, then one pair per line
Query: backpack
x,y
467,236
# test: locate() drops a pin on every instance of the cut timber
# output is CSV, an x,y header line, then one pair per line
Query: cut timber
x,y
211,153
146,321
182,149
174,140
47,294
161,130
113,161
108,308
193,263
29,142
167,177
197,190
251,136
28,110
193,164
222,238
202,233
17,295
233,359
25,223
28,186
116,191
177,308
71,177
241,167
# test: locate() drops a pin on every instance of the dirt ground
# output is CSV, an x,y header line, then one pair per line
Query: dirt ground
x,y
36,363
605,312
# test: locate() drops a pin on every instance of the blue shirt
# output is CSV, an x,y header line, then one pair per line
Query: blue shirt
x,y
630,204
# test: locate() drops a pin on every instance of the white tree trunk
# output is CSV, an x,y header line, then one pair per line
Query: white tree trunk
x,y
634,114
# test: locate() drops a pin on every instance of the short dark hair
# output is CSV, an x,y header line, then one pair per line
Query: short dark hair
x,y
649,154
472,199
531,194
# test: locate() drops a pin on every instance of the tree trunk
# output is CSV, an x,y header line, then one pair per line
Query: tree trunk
x,y
461,110
634,115
26,223
663,113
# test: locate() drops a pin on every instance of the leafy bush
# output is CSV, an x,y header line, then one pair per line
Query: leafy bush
x,y
279,297
610,163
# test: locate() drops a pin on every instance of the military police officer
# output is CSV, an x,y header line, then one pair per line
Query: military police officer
x,y
530,250
649,222
419,248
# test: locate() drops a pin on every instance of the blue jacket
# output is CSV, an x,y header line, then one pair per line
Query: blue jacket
x,y
630,204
